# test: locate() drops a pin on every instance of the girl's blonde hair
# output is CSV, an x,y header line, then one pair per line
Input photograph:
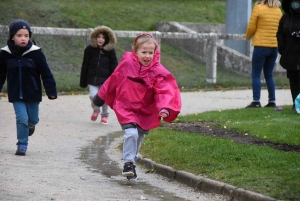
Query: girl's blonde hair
x,y
142,39
271,3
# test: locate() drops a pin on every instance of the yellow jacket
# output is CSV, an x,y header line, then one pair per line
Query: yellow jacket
x,y
263,25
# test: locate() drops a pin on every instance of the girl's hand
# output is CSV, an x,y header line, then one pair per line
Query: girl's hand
x,y
163,115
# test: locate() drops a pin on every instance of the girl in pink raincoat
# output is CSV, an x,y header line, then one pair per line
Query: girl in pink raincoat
x,y
141,91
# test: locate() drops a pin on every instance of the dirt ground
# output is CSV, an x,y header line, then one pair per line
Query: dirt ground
x,y
213,129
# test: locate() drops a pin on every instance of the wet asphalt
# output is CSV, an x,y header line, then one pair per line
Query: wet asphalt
x,y
70,157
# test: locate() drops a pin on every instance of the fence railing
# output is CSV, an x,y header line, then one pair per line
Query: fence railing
x,y
211,60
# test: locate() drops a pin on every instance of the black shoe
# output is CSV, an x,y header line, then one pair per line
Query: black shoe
x,y
271,105
128,169
254,105
134,176
31,131
21,151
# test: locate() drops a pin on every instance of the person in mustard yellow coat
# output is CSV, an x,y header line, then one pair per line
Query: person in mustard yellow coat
x,y
262,29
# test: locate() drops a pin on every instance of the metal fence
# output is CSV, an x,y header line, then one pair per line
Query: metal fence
x,y
67,46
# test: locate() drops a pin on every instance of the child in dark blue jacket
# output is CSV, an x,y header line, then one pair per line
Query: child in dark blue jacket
x,y
24,66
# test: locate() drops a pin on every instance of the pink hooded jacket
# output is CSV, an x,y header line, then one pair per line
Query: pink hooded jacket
x,y
137,93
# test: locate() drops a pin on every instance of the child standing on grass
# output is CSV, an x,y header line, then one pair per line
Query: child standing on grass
x,y
99,62
141,92
24,66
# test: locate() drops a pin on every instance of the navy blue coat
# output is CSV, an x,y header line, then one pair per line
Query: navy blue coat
x,y
25,75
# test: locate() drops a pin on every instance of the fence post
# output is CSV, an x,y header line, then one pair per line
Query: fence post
x,y
87,38
211,60
157,35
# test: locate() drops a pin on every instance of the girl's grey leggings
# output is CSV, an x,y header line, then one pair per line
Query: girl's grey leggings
x,y
93,90
133,139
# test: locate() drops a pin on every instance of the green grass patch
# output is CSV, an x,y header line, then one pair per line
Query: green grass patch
x,y
256,168
119,15
68,82
265,123
260,169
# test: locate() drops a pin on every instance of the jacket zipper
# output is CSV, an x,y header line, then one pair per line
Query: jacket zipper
x,y
98,66
20,80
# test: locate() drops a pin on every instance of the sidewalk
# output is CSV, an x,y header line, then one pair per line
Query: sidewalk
x,y
51,169
194,102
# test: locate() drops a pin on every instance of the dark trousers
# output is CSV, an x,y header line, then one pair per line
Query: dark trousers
x,y
294,78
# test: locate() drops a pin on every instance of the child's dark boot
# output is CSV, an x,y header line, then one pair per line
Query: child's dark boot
x,y
31,131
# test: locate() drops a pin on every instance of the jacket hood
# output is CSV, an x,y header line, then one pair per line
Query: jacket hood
x,y
33,48
112,39
156,57
286,6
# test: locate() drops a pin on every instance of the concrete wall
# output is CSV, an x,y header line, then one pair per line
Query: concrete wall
x,y
226,57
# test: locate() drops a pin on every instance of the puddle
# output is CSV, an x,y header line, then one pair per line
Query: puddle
x,y
99,162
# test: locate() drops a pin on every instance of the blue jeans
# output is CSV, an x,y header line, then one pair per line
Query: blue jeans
x,y
27,115
263,58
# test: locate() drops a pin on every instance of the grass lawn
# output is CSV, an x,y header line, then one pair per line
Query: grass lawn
x,y
261,169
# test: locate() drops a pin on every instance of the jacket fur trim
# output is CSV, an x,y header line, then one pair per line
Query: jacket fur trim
x,y
112,39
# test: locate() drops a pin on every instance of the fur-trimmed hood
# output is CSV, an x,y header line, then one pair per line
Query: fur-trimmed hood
x,y
112,39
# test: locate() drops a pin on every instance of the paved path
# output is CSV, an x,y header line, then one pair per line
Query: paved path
x,y
52,170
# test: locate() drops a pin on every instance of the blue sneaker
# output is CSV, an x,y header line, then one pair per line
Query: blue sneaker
x,y
21,151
